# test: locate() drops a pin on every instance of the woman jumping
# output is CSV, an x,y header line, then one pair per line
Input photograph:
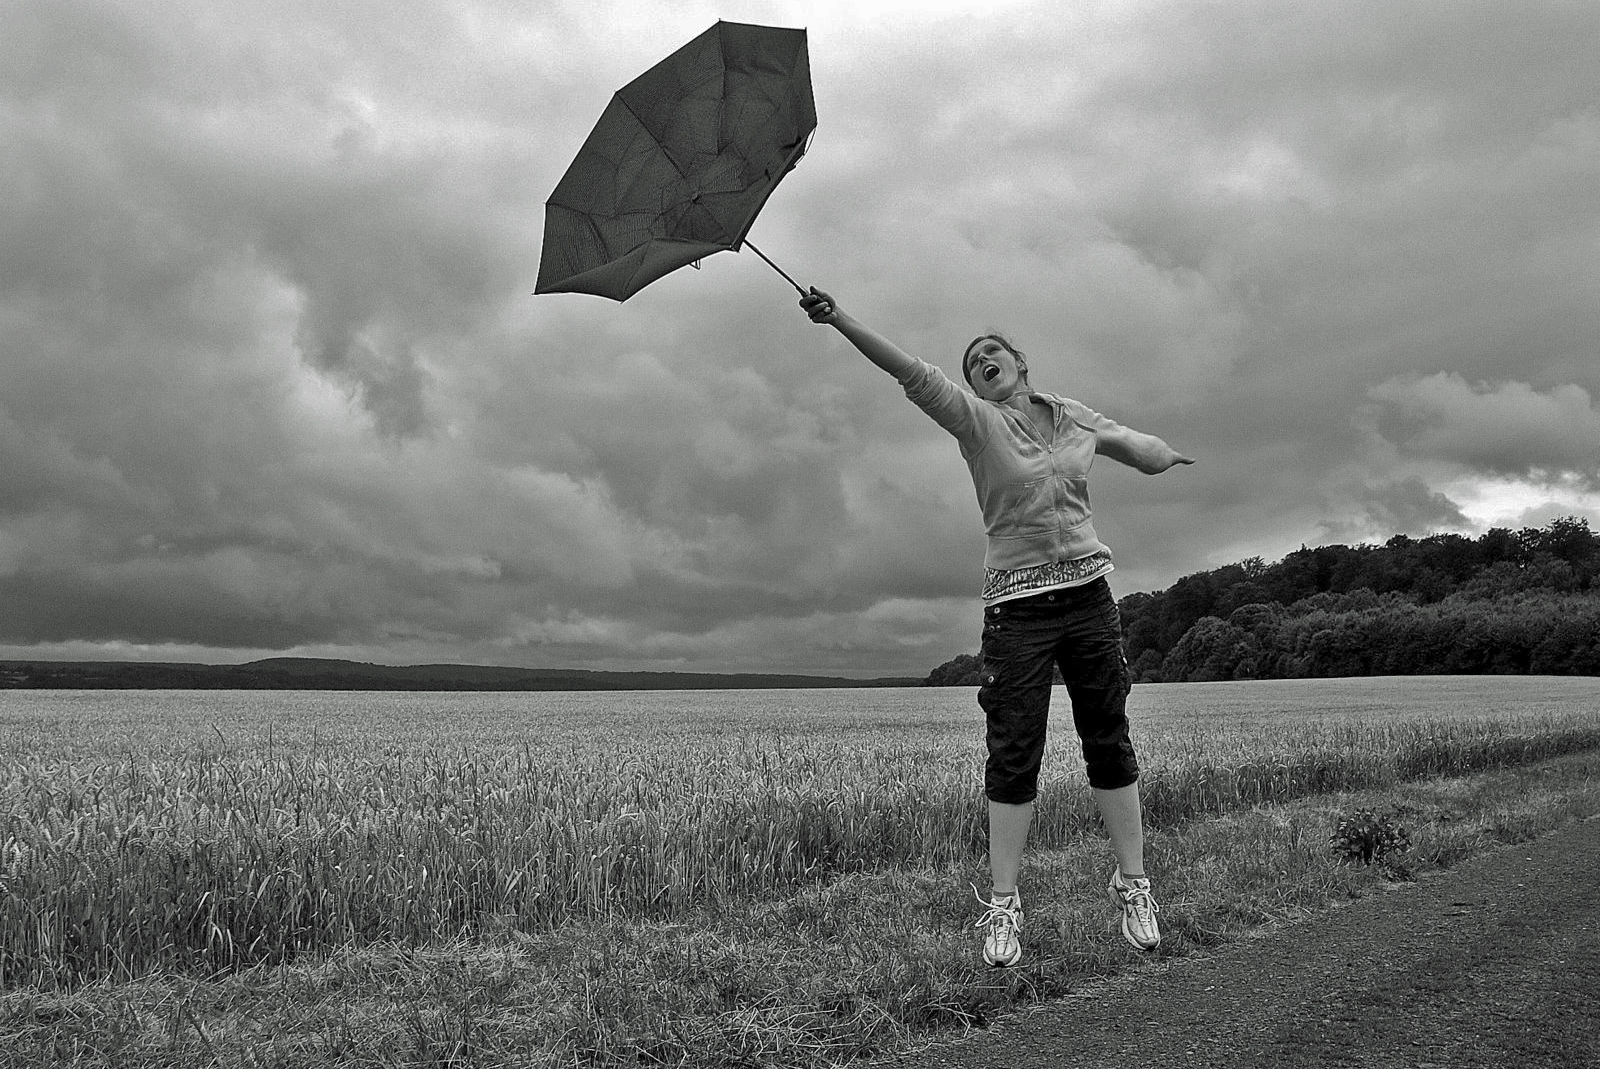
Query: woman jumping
x,y
1046,603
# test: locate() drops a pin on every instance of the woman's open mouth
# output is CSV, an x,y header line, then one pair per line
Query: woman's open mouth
x,y
990,372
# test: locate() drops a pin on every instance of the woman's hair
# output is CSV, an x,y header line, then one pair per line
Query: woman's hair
x,y
993,336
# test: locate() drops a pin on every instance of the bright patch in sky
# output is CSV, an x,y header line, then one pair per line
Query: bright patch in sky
x,y
1517,503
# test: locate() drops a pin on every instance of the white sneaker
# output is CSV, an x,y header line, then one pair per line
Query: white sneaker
x,y
1002,944
1139,910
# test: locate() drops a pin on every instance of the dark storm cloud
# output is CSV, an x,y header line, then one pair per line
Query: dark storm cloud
x,y
273,378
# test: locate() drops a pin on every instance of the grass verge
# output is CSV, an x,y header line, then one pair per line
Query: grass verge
x,y
830,973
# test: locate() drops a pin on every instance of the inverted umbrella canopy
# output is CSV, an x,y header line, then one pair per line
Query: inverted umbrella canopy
x,y
682,159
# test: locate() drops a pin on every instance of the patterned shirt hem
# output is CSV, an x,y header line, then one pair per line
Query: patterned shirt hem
x,y
1007,584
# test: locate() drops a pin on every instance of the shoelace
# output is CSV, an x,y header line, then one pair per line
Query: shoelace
x,y
998,912
1140,900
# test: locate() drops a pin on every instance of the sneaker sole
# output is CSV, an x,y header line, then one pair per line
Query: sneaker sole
x,y
1003,964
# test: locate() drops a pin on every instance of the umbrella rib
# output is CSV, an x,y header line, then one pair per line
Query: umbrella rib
x,y
638,119
684,175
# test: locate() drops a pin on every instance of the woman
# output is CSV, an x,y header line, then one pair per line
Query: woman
x,y
1046,603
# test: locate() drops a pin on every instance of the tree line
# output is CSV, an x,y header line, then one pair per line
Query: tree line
x,y
1506,602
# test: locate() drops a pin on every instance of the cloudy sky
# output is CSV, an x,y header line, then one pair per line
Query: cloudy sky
x,y
273,379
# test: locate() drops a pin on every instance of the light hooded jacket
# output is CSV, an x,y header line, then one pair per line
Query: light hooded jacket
x,y
1034,494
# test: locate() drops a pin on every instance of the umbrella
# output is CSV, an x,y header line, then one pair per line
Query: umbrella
x,y
682,159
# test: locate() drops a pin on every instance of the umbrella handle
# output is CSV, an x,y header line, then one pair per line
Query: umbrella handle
x,y
798,288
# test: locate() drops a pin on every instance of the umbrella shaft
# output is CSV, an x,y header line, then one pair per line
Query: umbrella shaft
x,y
799,288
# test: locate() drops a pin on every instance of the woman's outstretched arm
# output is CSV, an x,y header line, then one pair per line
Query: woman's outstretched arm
x,y
886,354
1146,452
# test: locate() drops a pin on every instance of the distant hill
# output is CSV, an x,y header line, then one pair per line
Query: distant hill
x,y
311,673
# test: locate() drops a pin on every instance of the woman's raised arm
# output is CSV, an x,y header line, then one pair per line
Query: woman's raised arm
x,y
822,308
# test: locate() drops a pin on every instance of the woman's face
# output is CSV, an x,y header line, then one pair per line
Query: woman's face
x,y
993,370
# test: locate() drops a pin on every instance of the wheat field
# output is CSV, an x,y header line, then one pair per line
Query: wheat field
x,y
205,832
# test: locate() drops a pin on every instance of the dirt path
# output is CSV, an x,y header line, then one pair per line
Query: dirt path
x,y
1494,964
